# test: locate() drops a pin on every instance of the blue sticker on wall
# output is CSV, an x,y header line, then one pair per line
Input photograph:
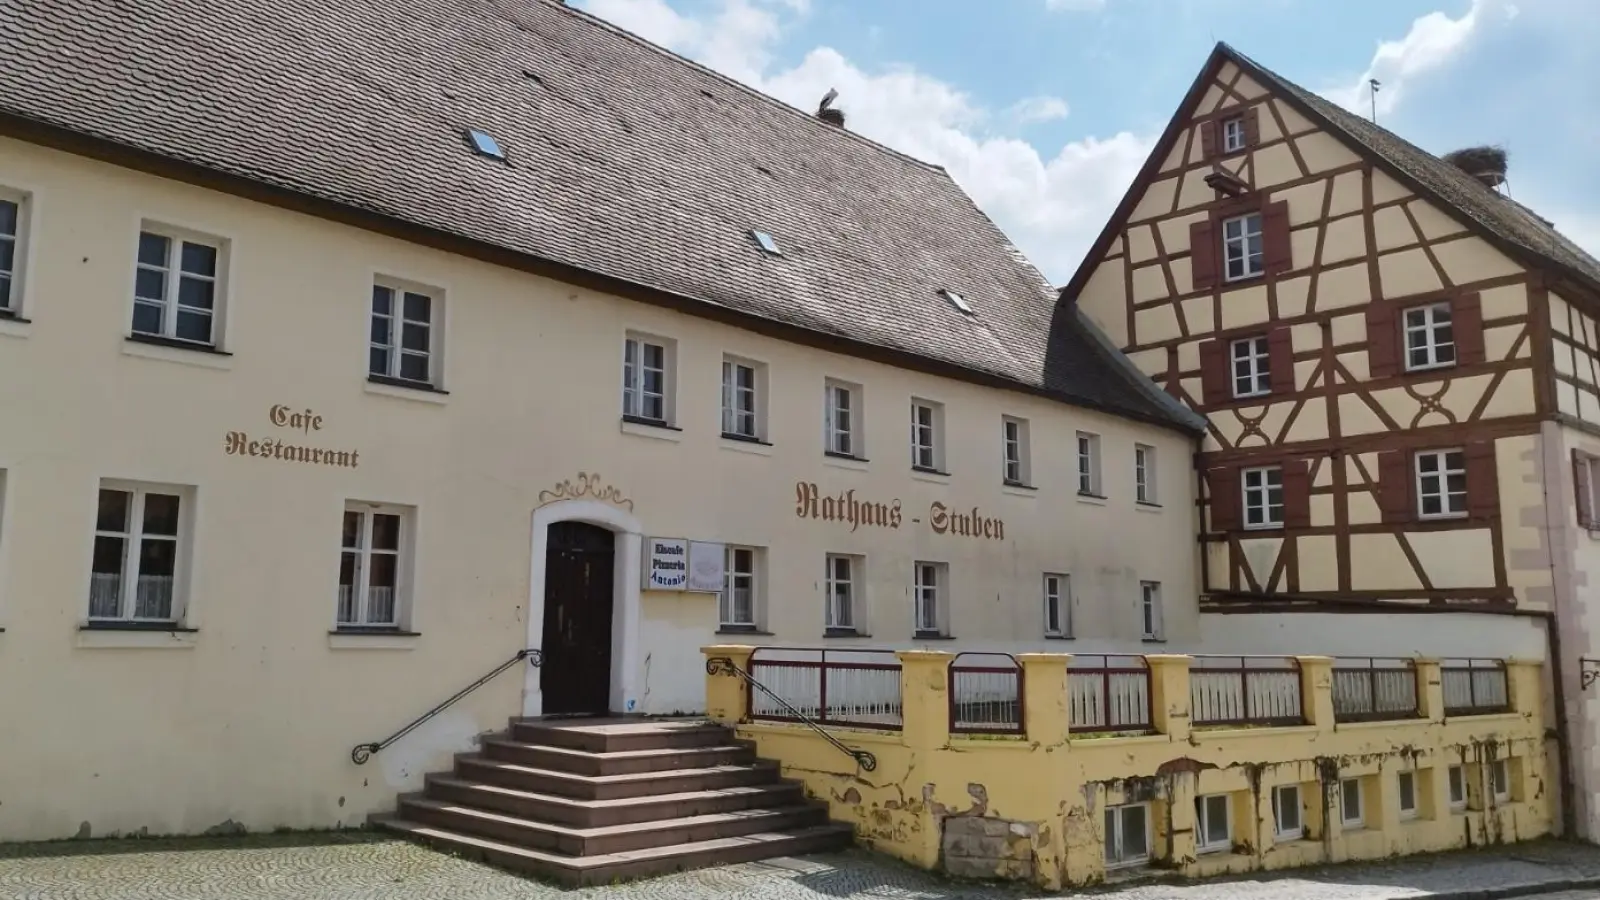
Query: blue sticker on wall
x,y
630,704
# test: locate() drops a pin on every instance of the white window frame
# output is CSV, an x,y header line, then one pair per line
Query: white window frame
x,y
1058,598
1249,364
173,275
1233,135
1256,488
842,434
1278,807
1203,822
744,406
362,589
845,616
396,321
1089,465
11,305
133,541
1352,815
1500,780
1144,474
927,436
751,578
1248,244
930,590
1441,475
1402,780
1016,456
636,395
1151,626
1456,786
1422,334
1116,836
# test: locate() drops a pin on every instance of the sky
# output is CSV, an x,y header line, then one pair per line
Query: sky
x,y
1043,110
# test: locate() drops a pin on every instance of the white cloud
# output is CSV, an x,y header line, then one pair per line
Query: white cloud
x,y
1052,207
1432,41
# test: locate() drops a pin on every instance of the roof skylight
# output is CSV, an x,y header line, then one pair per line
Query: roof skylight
x,y
766,242
485,144
956,300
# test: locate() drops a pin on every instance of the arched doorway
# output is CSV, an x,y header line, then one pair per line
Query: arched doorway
x,y
578,589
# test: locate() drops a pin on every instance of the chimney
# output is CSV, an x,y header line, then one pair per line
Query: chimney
x,y
826,111
1487,164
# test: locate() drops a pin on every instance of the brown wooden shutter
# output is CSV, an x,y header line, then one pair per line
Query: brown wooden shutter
x,y
1383,341
1483,482
1466,320
1296,494
1277,254
1208,140
1394,486
1280,360
1203,255
1225,499
1583,489
1214,372
1252,126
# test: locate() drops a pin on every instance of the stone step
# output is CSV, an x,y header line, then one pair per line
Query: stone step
x,y
475,767
570,841
607,868
617,735
595,813
622,762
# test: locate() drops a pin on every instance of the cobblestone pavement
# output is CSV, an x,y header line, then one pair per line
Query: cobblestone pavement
x,y
359,866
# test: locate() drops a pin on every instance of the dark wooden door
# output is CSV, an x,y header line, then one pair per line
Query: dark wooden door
x,y
575,676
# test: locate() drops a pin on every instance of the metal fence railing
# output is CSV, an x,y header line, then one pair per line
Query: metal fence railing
x,y
1474,687
1366,689
985,694
1108,693
858,688
1245,690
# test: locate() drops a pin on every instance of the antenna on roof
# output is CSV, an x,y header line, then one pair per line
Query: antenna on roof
x,y
1374,84
827,113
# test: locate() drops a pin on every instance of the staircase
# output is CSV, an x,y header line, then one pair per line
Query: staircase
x,y
588,801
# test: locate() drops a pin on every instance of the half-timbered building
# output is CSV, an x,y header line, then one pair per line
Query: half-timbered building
x,y
1397,364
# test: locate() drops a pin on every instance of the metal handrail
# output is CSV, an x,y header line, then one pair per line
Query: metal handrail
x,y
723,665
360,753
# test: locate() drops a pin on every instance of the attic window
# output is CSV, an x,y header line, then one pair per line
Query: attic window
x,y
485,144
766,242
956,300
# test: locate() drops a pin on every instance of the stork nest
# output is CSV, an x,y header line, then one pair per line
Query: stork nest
x,y
1474,160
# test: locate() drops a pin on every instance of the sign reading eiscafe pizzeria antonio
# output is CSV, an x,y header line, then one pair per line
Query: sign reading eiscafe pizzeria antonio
x,y
811,503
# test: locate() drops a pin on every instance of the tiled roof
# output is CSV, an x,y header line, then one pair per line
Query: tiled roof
x,y
621,159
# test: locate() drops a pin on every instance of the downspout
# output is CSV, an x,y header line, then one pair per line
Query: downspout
x,y
1561,587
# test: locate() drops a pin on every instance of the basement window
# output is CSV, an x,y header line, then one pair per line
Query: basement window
x,y
485,144
766,243
956,300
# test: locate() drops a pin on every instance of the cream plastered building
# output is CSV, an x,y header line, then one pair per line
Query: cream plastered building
x,y
322,408
1396,364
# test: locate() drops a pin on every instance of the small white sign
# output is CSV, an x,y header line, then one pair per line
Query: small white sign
x,y
705,566
666,564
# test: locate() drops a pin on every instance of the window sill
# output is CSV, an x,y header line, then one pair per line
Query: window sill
x,y
740,629
1058,637
169,350
841,461
932,636
1091,499
1146,506
844,633
1243,279
136,635
372,639
1262,529
402,389
651,428
741,444
1152,640
932,476
13,324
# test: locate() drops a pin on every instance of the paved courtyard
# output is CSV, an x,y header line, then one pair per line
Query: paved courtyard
x,y
359,866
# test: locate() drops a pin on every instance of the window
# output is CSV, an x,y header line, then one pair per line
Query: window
x,y
927,436
1458,787
485,144
1233,134
645,364
1127,835
1150,610
1242,253
1430,338
1144,473
140,537
1500,780
739,591
843,410
1088,464
766,243
1286,812
1408,795
1350,803
372,554
928,597
742,406
1057,606
956,300
1252,376
1441,484
841,590
1263,497
1014,440
401,345
10,254
175,287
1213,828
